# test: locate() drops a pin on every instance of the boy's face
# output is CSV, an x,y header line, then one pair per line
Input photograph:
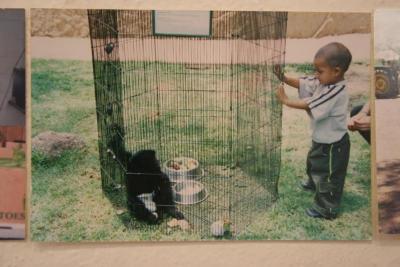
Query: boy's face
x,y
325,73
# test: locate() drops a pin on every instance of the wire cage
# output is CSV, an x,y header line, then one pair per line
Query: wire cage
x,y
207,98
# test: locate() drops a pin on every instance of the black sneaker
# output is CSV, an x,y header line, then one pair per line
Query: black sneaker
x,y
313,213
307,185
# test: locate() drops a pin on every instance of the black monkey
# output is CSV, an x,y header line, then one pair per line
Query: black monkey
x,y
149,191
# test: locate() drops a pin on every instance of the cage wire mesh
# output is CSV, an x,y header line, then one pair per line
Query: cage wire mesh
x,y
206,98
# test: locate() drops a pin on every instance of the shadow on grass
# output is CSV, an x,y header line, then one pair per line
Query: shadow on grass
x,y
352,202
118,202
117,198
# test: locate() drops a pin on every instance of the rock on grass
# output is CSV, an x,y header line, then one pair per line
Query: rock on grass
x,y
53,144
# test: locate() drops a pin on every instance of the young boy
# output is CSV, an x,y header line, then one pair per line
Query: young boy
x,y
324,97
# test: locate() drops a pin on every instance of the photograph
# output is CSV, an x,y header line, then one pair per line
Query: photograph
x,y
12,124
154,125
387,112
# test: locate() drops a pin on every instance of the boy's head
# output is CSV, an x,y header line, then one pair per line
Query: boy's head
x,y
331,62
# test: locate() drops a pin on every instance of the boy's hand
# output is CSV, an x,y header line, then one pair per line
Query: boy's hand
x,y
278,72
294,82
350,125
292,103
281,95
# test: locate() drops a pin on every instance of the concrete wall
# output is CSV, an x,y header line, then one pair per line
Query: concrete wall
x,y
59,23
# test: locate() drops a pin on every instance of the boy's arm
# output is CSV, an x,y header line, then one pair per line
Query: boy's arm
x,y
294,82
293,103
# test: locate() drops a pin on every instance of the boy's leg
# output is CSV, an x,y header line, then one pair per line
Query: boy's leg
x,y
309,183
330,181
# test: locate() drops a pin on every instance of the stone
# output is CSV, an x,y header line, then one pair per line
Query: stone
x,y
53,144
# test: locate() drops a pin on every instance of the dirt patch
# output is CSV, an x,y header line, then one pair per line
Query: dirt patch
x,y
389,196
53,144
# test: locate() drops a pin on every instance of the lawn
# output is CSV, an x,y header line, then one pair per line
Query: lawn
x,y
18,160
68,203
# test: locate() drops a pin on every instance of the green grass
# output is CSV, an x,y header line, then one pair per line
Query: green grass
x,y
18,159
68,203
308,68
9,163
304,69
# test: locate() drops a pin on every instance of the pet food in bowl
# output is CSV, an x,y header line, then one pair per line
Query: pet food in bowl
x,y
182,168
189,192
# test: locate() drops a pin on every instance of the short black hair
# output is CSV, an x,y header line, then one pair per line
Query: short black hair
x,y
336,55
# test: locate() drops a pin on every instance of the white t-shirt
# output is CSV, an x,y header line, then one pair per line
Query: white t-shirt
x,y
328,108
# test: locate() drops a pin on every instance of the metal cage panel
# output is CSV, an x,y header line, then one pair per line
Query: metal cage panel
x,y
208,98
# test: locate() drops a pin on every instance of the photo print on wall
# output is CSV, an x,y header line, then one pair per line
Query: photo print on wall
x,y
169,125
387,111
12,124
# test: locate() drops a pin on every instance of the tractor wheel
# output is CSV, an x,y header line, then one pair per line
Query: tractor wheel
x,y
384,88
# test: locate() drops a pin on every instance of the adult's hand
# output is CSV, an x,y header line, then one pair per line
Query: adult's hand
x,y
359,122
363,123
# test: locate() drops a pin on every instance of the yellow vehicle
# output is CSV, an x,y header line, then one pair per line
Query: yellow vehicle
x,y
386,82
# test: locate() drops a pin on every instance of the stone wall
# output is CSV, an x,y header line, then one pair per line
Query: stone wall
x,y
74,23
59,23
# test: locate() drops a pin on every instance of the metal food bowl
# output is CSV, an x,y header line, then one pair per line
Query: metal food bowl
x,y
182,169
189,192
